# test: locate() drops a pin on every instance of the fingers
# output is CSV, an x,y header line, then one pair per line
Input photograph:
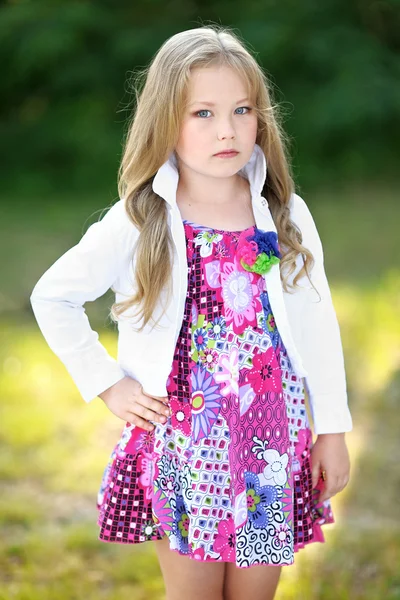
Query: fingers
x,y
154,405
130,403
152,411
163,399
341,484
332,486
148,408
139,422
328,487
316,471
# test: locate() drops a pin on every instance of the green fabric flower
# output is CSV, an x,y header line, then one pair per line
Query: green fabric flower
x,y
263,263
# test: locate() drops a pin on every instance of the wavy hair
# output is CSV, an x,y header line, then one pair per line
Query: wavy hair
x,y
153,132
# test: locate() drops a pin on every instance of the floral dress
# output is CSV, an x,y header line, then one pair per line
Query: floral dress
x,y
228,476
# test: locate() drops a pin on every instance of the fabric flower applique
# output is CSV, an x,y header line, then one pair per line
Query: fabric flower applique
x,y
258,252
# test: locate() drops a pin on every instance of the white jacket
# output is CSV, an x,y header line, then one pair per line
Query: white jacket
x,y
103,260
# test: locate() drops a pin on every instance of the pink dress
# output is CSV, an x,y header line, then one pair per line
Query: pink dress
x,y
228,476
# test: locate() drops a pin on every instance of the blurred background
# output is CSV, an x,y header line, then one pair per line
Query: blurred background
x,y
65,100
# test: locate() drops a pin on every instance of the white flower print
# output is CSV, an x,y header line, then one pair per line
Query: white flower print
x,y
205,240
228,372
276,469
125,437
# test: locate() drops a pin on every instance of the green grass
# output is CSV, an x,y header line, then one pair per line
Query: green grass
x,y
54,447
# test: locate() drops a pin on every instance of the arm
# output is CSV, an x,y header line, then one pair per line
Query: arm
x,y
319,340
85,272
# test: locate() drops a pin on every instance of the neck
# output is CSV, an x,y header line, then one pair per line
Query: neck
x,y
205,190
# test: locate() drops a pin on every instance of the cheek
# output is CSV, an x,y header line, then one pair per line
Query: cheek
x,y
249,129
192,135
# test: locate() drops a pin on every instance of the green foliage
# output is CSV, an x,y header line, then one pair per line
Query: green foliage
x,y
65,98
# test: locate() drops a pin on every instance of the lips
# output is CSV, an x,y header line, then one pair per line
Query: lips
x,y
227,153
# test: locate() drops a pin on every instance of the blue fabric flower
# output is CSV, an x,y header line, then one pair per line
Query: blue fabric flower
x,y
267,241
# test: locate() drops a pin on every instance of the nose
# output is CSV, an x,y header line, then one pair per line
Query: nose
x,y
225,130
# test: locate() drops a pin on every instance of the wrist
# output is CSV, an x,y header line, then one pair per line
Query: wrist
x,y
105,395
332,436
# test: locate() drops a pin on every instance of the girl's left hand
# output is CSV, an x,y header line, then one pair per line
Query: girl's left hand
x,y
329,453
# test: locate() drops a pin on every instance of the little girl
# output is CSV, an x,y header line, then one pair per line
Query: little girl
x,y
224,319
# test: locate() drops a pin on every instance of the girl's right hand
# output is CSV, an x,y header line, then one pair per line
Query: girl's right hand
x,y
127,400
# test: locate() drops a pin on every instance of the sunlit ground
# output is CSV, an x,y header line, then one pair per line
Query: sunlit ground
x,y
54,448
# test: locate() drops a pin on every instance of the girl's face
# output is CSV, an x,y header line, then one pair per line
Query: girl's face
x,y
219,116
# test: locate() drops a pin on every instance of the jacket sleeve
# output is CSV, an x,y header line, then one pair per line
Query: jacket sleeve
x,y
85,272
320,340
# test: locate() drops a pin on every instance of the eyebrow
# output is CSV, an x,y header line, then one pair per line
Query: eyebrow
x,y
212,103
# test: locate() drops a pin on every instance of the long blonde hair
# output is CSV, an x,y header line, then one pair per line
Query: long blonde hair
x,y
153,134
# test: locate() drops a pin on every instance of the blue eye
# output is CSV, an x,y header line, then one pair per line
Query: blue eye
x,y
247,108
242,107
201,111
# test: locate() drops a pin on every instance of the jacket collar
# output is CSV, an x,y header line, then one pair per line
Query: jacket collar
x,y
165,182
